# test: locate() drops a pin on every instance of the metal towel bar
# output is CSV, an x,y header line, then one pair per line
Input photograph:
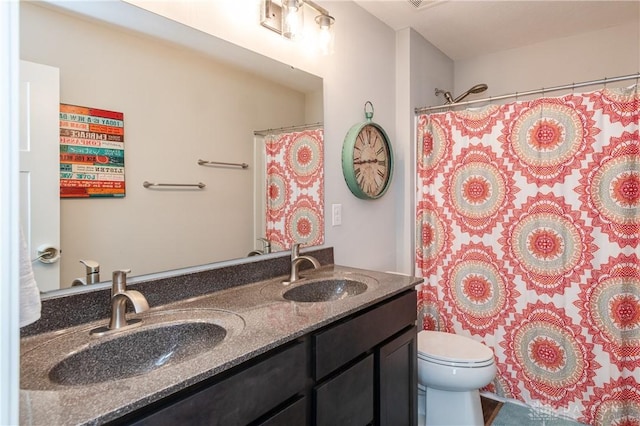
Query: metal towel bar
x,y
218,163
151,184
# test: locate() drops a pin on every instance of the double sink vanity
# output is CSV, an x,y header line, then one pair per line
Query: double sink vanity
x,y
230,345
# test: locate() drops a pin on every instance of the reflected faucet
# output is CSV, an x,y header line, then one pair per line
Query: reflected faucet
x,y
266,248
119,297
92,272
296,260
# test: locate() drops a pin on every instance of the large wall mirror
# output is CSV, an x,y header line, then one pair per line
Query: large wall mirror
x,y
186,96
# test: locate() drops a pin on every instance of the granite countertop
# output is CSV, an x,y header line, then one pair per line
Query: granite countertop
x,y
257,319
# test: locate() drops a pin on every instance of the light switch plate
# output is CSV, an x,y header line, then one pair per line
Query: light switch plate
x,y
336,214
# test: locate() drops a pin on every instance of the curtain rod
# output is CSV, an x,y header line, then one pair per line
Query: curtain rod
x,y
531,92
266,132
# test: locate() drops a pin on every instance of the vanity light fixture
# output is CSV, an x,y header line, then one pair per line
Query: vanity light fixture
x,y
286,17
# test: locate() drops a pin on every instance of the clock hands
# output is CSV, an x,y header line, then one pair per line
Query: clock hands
x,y
375,160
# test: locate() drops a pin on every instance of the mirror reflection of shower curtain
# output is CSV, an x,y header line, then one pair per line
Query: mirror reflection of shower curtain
x,y
294,190
259,191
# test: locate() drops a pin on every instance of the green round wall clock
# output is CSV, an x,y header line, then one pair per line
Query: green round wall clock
x,y
367,158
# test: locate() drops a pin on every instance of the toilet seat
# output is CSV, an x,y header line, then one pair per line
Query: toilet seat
x,y
458,364
453,350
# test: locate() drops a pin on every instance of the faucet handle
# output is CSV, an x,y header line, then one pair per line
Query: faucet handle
x,y
119,281
295,250
90,265
121,273
266,245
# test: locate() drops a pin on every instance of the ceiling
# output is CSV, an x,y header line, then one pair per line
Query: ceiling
x,y
464,29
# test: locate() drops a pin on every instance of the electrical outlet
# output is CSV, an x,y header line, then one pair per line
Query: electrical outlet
x,y
336,214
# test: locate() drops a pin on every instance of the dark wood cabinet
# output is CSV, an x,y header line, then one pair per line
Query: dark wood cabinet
x,y
357,371
336,345
348,398
241,398
396,366
294,413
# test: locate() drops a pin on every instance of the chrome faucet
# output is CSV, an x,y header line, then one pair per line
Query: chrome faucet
x,y
266,245
92,272
296,260
119,297
266,248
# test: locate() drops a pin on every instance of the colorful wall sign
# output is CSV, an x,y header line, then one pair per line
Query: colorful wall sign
x,y
91,152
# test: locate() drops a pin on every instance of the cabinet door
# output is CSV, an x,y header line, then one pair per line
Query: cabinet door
x,y
348,398
397,366
241,398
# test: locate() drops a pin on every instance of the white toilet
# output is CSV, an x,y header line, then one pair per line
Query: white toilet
x,y
451,370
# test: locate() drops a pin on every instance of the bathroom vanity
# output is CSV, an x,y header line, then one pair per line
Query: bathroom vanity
x,y
279,361
350,372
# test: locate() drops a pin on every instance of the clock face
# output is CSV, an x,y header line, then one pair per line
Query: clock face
x,y
367,160
371,160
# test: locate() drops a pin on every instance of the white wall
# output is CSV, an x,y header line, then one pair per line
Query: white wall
x,y
421,67
589,56
362,69
178,107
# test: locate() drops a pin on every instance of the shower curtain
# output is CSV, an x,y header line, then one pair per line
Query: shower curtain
x,y
295,189
527,231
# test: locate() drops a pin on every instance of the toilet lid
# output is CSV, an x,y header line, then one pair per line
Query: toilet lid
x,y
452,348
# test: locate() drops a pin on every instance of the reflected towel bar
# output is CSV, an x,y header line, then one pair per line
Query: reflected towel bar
x,y
150,184
218,163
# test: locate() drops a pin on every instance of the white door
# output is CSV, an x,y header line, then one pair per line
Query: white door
x,y
40,167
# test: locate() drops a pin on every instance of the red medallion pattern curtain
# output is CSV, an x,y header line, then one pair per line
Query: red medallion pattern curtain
x,y
527,230
295,189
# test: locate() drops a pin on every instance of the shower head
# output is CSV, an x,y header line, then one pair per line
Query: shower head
x,y
478,88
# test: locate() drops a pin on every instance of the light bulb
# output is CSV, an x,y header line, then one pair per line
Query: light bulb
x,y
325,34
292,22
292,19
324,40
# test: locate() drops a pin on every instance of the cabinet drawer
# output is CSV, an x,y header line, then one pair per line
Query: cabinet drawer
x,y
293,414
341,343
348,398
243,397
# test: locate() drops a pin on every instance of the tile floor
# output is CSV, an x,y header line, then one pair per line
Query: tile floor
x,y
497,413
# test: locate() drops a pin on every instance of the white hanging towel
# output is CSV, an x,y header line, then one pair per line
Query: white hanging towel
x,y
29,295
